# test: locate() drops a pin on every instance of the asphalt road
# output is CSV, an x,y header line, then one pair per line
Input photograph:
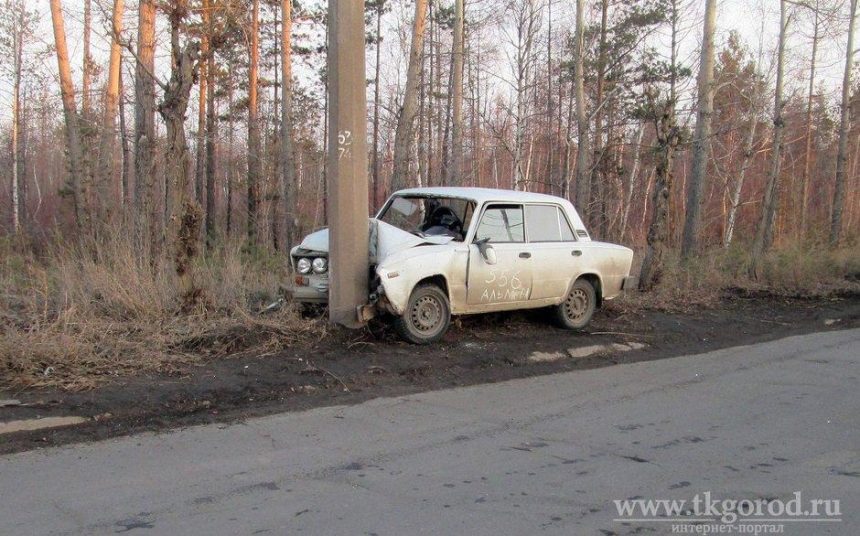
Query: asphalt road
x,y
546,455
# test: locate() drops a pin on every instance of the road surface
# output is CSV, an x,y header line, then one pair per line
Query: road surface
x,y
545,455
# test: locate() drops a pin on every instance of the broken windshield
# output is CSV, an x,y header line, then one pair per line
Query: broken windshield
x,y
430,216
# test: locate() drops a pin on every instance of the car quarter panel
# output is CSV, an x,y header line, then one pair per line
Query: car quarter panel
x,y
609,262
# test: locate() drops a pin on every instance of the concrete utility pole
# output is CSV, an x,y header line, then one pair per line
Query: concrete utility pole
x,y
347,163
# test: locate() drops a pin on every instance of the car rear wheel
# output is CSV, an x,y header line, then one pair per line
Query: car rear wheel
x,y
576,310
427,315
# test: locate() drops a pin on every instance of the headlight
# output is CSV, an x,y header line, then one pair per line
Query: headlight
x,y
320,265
304,266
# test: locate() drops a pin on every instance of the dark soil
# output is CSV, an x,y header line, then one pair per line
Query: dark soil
x,y
350,367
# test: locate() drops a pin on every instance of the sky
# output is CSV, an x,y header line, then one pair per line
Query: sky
x,y
757,21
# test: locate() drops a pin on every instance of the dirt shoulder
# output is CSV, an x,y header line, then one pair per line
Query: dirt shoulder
x,y
350,367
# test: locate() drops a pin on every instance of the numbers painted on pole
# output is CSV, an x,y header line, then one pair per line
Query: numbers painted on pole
x,y
344,144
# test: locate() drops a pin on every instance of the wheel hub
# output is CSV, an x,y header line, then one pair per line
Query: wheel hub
x,y
426,314
576,304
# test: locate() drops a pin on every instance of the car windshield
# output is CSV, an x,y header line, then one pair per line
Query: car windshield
x,y
430,216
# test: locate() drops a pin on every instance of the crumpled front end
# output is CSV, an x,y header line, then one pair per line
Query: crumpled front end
x,y
311,286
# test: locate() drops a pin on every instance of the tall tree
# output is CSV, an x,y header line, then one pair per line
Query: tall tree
x,y
668,137
288,164
148,219
453,169
79,186
583,185
87,71
202,102
702,141
764,233
109,115
18,25
406,118
807,153
254,149
211,127
184,222
844,126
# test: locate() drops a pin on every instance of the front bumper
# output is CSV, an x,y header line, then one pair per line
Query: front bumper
x,y
315,291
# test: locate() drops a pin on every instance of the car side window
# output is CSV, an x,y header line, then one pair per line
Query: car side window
x,y
547,223
502,223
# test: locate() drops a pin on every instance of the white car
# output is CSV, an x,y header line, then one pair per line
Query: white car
x,y
437,252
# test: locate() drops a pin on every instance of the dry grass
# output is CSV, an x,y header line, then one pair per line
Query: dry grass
x,y
794,270
73,320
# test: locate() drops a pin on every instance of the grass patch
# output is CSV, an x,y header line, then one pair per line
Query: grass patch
x,y
73,318
794,270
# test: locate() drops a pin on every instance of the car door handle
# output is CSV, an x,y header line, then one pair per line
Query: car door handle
x,y
576,253
525,255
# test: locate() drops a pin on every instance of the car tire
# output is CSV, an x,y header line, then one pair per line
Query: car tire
x,y
427,315
578,307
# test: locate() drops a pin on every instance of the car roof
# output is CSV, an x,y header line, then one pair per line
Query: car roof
x,y
482,195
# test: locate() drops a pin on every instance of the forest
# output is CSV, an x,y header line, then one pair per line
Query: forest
x,y
158,159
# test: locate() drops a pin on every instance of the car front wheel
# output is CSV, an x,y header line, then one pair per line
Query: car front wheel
x,y
427,315
576,310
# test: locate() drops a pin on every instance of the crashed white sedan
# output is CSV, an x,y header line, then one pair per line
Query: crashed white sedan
x,y
437,252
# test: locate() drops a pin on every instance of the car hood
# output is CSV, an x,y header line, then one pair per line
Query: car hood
x,y
385,240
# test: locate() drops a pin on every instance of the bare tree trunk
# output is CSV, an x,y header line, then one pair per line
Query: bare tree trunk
x,y
254,155
80,193
230,136
595,212
108,131
454,167
126,196
87,76
668,137
702,141
583,186
376,93
527,25
844,125
211,134
406,119
202,102
764,233
735,201
185,214
148,218
807,158
18,199
287,151
631,186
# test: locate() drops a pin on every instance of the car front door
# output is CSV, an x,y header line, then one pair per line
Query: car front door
x,y
507,283
554,251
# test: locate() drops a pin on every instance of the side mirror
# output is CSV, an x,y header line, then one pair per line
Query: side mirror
x,y
487,251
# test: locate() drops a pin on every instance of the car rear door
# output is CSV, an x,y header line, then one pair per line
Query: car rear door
x,y
555,255
507,283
